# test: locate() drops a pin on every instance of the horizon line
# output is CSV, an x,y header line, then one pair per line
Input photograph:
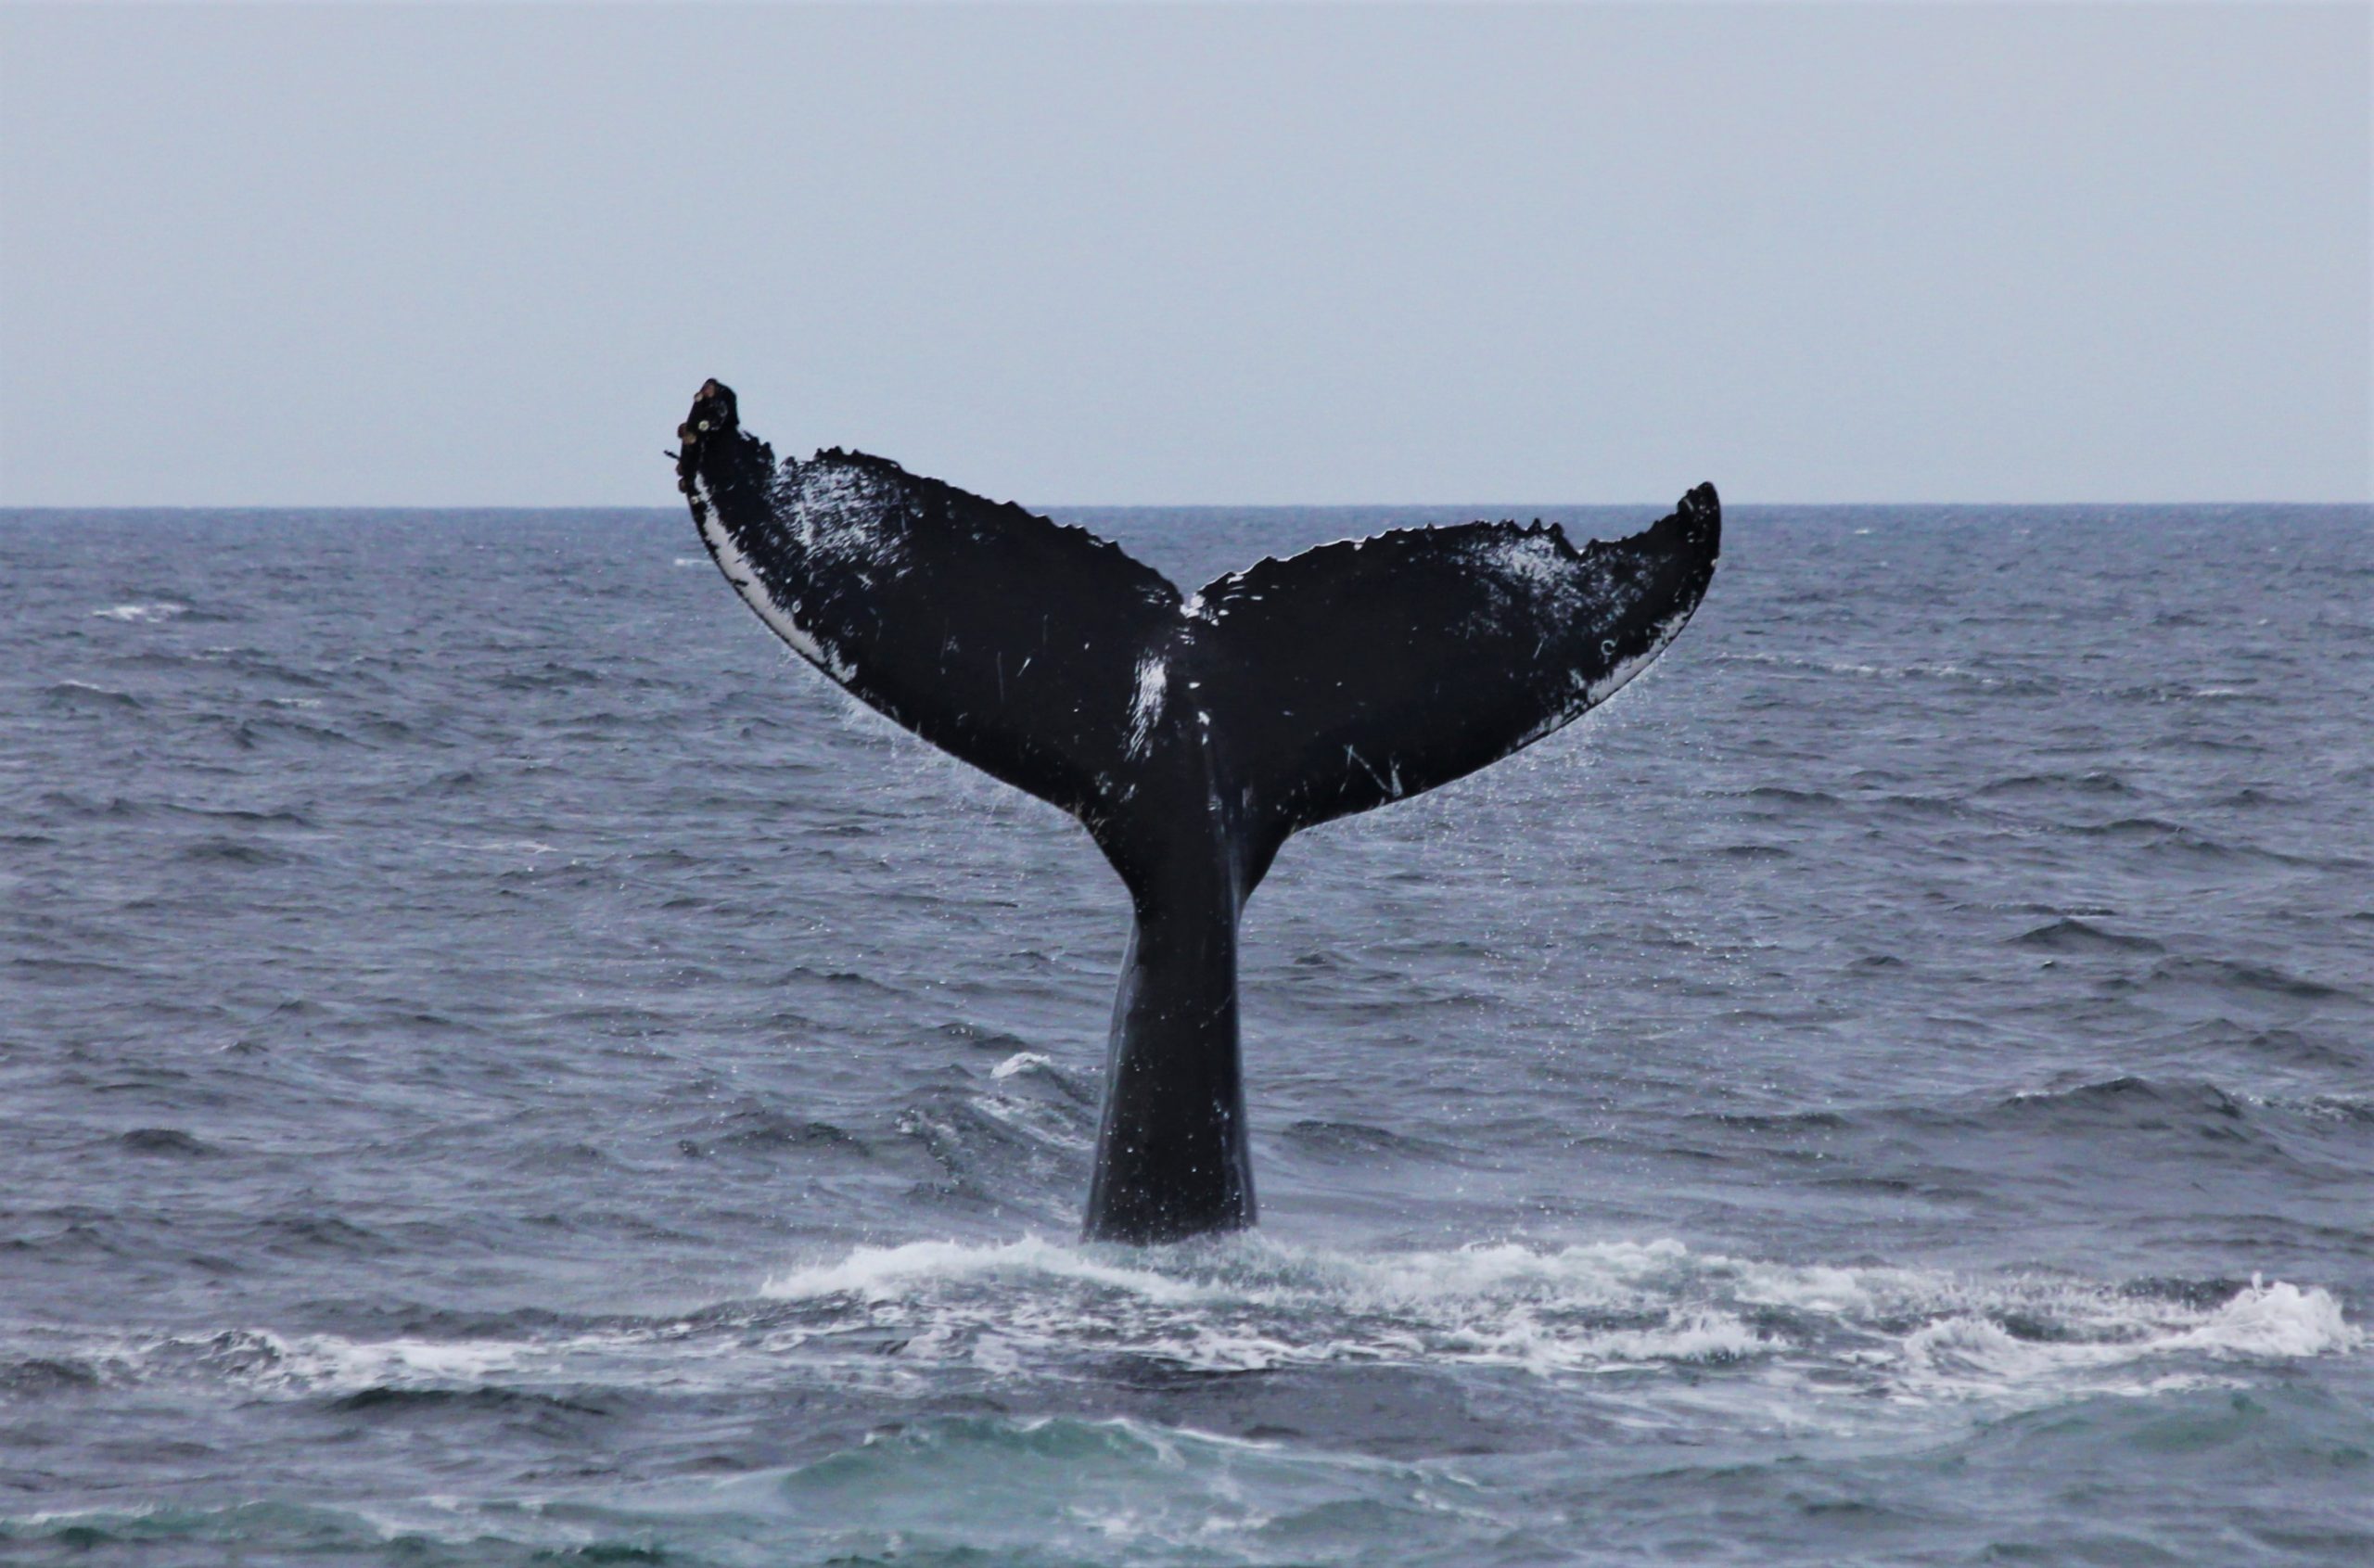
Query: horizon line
x,y
1500,506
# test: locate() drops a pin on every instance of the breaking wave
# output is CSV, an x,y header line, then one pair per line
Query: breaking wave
x,y
1037,1308
1247,1305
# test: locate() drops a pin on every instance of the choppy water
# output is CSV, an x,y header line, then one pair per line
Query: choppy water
x,y
498,1064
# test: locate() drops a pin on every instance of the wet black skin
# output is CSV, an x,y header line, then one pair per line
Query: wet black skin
x,y
1291,694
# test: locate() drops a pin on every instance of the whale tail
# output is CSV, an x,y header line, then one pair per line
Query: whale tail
x,y
1191,737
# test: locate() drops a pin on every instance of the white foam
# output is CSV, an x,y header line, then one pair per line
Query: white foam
x,y
162,609
1789,1343
1248,1304
328,1361
1522,1338
1035,1117
1868,671
2278,1321
261,1359
879,1274
1018,1061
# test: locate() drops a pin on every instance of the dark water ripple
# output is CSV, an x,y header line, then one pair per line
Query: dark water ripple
x,y
501,1067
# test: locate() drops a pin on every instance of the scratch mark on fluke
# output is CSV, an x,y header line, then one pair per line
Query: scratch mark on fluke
x,y
1329,684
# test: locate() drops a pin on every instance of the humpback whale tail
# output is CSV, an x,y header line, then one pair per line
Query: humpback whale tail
x,y
1191,737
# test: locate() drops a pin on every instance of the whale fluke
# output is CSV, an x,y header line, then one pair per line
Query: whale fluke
x,y
1191,737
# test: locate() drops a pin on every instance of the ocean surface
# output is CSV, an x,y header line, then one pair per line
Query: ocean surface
x,y
498,1063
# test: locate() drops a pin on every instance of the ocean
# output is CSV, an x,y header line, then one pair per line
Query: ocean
x,y
499,1063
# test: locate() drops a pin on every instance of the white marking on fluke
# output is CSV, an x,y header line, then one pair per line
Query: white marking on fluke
x,y
1145,707
833,509
743,575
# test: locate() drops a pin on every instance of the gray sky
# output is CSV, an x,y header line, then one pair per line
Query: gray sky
x,y
1883,253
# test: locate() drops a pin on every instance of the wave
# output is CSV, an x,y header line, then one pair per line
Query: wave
x,y
260,1362
84,695
384,1400
2197,1108
2093,781
1954,673
1781,794
552,675
2224,974
1035,1306
2169,839
1062,1488
1358,1142
761,1130
163,1141
220,850
36,1376
2135,1100
946,1490
971,1135
284,817
2070,935
2261,1322
161,609
1249,1304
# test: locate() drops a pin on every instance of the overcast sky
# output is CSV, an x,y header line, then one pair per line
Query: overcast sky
x,y
1880,252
